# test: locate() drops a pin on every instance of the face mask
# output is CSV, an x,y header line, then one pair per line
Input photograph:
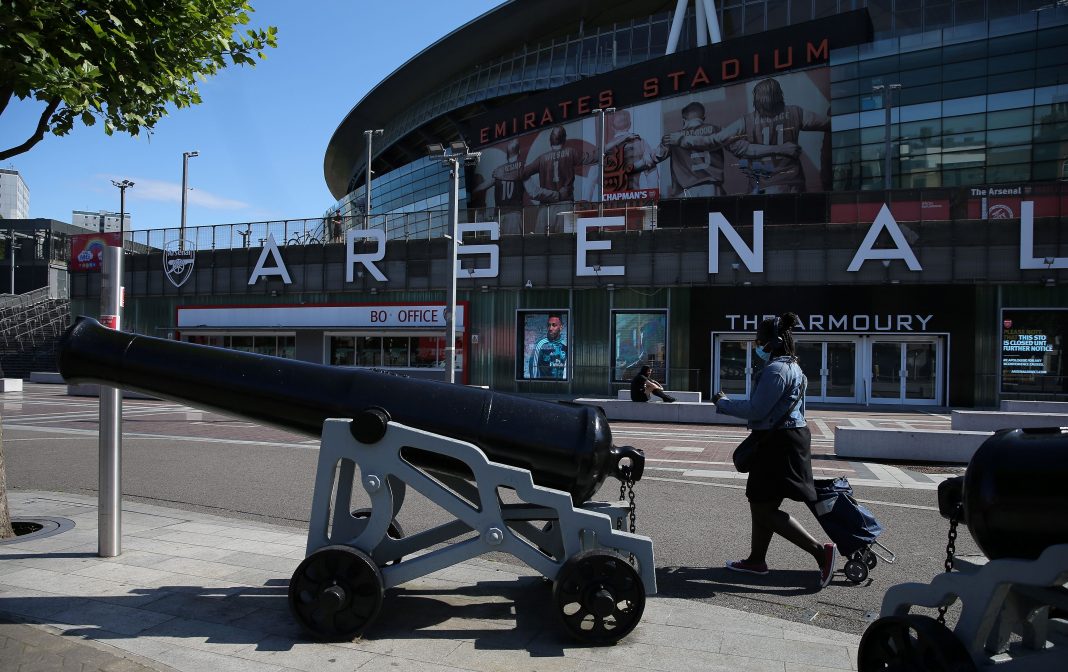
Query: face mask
x,y
762,353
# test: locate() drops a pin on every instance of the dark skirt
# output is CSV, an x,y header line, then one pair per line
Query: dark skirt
x,y
782,468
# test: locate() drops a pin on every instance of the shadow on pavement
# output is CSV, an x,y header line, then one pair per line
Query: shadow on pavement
x,y
704,582
493,615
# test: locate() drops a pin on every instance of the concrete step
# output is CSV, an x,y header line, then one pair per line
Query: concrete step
x,y
990,421
906,444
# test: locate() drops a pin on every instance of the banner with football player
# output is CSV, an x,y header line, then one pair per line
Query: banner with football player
x,y
541,345
769,135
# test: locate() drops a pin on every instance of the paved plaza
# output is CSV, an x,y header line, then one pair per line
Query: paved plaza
x,y
197,591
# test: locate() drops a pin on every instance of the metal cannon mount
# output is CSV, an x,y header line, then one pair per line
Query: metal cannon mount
x,y
601,572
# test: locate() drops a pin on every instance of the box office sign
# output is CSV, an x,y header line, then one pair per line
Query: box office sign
x,y
379,316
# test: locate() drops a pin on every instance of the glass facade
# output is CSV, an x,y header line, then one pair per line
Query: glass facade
x,y
983,98
390,352
275,345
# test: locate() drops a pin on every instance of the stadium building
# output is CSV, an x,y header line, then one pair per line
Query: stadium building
x,y
652,177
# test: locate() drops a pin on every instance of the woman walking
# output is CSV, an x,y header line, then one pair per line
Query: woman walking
x,y
782,467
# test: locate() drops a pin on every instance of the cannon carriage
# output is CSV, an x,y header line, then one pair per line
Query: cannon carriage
x,y
1014,599
516,475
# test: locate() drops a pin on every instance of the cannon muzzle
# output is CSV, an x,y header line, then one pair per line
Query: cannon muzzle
x,y
565,446
1013,496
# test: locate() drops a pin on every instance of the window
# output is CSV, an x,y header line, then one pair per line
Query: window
x,y
396,351
342,351
368,351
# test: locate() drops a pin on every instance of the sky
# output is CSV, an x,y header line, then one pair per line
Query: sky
x,y
261,132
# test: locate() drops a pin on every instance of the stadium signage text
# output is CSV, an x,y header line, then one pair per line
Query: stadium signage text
x,y
775,51
718,226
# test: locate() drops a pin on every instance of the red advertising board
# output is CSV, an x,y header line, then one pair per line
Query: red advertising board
x,y
87,250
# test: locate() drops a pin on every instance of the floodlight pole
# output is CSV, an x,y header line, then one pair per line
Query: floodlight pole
x,y
456,159
123,186
185,191
603,115
888,94
370,133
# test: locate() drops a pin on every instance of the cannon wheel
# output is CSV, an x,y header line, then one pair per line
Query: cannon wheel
x,y
335,593
394,531
599,596
912,643
856,570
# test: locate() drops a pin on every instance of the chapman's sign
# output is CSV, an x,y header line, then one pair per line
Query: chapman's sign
x,y
718,227
770,53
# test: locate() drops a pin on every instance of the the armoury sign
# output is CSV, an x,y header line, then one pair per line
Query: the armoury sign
x,y
718,227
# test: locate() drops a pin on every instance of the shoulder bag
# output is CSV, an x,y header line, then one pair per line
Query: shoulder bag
x,y
746,450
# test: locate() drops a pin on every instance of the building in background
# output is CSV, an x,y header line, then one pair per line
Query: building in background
x,y
14,195
893,172
101,221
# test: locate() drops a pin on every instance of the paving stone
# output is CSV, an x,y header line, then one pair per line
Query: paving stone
x,y
301,655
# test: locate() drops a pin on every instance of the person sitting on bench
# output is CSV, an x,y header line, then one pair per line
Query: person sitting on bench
x,y
642,386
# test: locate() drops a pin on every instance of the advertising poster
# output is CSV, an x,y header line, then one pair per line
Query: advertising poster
x,y
639,338
1032,351
768,135
541,344
87,250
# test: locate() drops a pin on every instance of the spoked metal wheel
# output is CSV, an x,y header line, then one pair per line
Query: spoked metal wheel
x,y
335,593
599,596
912,643
394,531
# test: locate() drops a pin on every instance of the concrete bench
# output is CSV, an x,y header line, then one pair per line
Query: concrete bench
x,y
1014,406
93,390
906,444
46,377
680,395
10,384
989,421
680,411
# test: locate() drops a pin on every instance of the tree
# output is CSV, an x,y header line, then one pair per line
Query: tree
x,y
122,62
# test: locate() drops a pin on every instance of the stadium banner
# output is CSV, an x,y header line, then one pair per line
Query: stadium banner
x,y
541,345
87,249
639,338
770,135
768,54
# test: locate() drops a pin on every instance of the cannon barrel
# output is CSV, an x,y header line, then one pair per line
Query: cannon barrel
x,y
565,446
1014,494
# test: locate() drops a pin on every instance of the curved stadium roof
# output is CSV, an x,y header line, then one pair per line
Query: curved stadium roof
x,y
500,31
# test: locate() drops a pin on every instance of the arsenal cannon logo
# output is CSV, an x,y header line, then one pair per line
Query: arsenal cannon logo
x,y
178,258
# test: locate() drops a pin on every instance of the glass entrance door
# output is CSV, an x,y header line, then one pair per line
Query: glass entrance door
x,y
733,360
906,372
831,368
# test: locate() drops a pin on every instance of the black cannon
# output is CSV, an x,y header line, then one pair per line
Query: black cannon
x,y
1013,498
456,445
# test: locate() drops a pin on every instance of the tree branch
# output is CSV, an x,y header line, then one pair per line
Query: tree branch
x,y
38,134
5,97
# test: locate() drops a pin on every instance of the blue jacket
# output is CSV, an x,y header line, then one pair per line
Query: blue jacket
x,y
777,386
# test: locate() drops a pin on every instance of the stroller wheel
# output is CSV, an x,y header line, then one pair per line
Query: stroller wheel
x,y
856,571
870,558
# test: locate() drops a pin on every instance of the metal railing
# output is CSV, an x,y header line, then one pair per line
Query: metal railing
x,y
19,301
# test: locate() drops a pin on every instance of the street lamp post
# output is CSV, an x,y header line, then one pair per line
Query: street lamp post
x,y
185,190
369,134
603,115
888,94
457,157
123,186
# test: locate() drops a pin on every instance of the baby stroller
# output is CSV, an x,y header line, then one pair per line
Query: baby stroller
x,y
850,526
